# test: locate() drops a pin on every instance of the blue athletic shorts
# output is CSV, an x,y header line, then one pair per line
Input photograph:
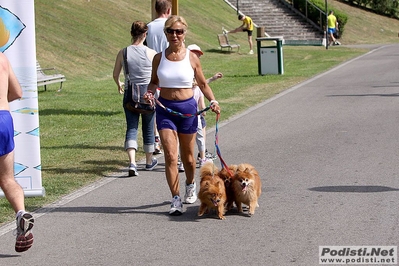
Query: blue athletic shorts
x,y
167,120
6,133
331,30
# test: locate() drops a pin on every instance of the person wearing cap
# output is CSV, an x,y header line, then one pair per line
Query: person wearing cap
x,y
248,26
203,155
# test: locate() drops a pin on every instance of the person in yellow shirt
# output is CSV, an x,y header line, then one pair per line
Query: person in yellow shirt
x,y
332,25
248,26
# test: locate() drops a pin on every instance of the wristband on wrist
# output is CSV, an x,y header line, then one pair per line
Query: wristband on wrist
x,y
214,101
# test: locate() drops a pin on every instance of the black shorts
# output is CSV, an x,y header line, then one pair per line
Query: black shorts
x,y
248,31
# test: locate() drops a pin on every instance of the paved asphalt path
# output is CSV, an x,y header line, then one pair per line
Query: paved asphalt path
x,y
327,153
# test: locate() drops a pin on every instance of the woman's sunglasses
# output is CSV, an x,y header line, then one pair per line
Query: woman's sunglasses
x,y
177,31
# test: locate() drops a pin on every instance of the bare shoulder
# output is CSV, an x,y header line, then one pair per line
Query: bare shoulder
x,y
157,57
194,60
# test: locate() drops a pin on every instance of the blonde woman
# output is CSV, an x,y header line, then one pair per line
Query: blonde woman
x,y
173,70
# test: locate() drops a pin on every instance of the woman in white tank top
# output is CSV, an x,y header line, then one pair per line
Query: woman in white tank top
x,y
173,71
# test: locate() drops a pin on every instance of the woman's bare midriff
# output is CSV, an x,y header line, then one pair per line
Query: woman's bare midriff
x,y
4,103
176,94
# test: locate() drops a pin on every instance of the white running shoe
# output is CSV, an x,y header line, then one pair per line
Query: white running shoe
x,y
191,193
180,166
251,52
133,170
157,146
24,234
224,31
204,161
176,207
210,156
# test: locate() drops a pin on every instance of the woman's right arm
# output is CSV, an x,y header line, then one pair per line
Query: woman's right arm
x,y
117,72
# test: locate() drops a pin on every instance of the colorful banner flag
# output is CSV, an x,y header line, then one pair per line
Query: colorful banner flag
x,y
18,43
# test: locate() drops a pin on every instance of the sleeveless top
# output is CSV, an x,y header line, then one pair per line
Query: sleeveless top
x,y
140,66
175,74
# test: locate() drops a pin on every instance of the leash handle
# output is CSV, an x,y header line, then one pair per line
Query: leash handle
x,y
223,163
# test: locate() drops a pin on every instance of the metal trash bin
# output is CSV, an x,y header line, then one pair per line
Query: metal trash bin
x,y
270,58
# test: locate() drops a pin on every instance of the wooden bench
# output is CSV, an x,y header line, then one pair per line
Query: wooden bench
x,y
44,79
224,43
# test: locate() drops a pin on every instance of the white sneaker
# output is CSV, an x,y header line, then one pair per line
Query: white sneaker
x,y
24,238
176,207
133,170
157,146
224,31
180,167
191,193
210,156
204,161
251,52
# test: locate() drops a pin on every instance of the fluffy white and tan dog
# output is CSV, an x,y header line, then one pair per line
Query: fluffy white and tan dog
x,y
247,187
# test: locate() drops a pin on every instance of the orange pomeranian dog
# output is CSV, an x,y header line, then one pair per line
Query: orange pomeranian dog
x,y
227,177
212,193
247,187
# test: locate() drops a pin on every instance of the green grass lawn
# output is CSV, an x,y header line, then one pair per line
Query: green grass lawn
x,y
82,127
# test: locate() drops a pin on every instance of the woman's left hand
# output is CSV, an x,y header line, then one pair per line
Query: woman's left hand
x,y
121,87
215,107
149,97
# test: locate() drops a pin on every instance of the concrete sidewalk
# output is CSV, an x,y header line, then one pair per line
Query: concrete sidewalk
x,y
326,151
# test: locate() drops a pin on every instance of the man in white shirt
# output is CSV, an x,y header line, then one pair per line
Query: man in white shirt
x,y
156,38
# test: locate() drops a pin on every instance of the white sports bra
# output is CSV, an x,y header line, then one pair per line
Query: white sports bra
x,y
175,74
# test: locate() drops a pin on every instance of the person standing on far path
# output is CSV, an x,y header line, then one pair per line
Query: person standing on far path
x,y
332,24
10,90
248,26
156,40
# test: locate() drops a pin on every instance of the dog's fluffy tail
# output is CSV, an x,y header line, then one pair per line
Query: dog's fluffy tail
x,y
208,168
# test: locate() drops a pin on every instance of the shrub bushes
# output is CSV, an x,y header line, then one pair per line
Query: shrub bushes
x,y
382,7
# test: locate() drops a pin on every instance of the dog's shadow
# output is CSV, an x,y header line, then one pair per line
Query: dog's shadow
x,y
212,214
